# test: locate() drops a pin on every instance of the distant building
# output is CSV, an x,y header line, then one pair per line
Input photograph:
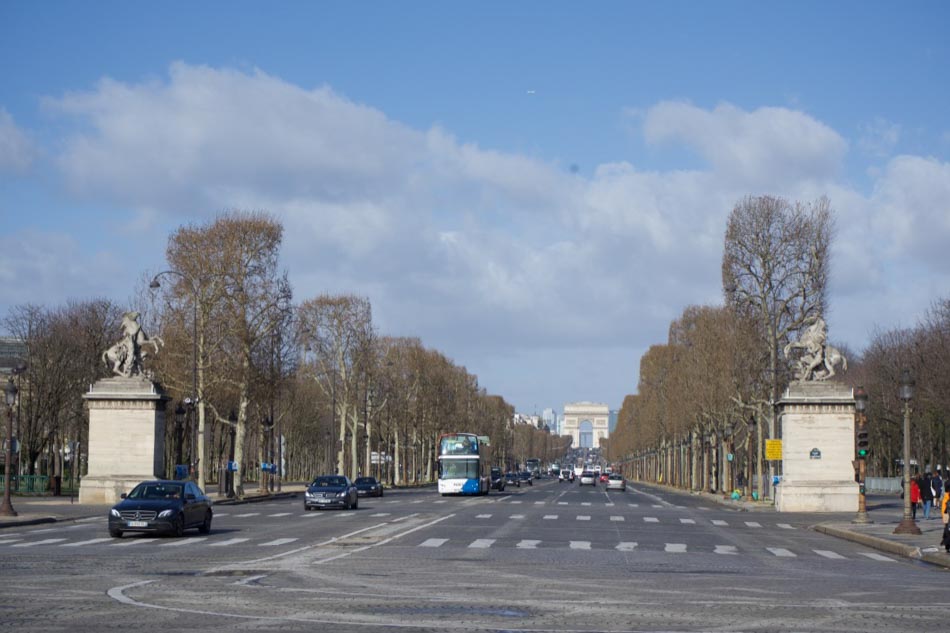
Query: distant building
x,y
587,423
12,352
612,422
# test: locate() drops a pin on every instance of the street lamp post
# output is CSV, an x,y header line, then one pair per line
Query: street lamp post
x,y
179,422
860,408
907,524
9,392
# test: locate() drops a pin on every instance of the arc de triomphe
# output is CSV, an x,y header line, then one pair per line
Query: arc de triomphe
x,y
586,422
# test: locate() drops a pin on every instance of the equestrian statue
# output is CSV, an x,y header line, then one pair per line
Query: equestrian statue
x,y
127,355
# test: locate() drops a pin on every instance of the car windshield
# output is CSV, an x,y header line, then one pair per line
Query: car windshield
x,y
616,477
328,482
156,491
365,480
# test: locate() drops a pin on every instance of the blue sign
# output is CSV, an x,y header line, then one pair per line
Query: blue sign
x,y
232,467
181,471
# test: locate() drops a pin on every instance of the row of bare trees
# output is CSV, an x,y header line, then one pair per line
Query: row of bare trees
x,y
709,392
313,385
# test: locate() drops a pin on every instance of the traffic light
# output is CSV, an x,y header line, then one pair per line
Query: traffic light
x,y
861,442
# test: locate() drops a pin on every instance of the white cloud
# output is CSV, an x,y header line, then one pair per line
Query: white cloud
x,y
879,137
17,151
766,148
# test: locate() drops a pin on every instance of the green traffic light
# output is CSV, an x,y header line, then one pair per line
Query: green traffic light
x,y
863,452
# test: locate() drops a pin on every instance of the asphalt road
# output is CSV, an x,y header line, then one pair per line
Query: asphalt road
x,y
551,557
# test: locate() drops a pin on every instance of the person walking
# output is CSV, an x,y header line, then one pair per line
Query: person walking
x,y
926,495
936,482
914,495
945,515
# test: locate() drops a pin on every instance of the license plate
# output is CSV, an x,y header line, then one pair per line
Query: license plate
x,y
324,500
138,523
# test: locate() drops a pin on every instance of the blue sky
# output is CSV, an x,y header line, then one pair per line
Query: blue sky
x,y
534,188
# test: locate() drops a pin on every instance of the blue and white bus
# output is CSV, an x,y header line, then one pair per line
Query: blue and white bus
x,y
464,464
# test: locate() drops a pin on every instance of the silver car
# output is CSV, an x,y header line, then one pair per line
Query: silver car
x,y
588,478
616,482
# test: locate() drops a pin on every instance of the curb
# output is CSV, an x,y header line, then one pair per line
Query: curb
x,y
254,499
884,545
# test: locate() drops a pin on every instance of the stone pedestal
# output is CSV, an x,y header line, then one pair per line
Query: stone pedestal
x,y
126,437
817,449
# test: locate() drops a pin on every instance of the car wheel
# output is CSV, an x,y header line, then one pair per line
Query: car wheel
x,y
306,508
205,527
115,533
179,528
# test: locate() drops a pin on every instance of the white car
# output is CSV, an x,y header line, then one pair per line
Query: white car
x,y
588,478
616,482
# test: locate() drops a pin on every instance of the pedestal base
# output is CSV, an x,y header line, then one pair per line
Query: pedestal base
x,y
106,490
815,496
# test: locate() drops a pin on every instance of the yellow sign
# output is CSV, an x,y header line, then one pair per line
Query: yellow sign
x,y
773,450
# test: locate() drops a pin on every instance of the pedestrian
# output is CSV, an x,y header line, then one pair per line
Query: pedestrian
x,y
936,482
914,495
945,514
926,495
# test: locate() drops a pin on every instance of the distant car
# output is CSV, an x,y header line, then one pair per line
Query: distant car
x,y
588,478
604,477
497,480
161,506
526,477
513,479
328,491
368,487
616,482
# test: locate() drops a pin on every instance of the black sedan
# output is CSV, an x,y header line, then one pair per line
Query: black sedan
x,y
161,506
329,491
526,477
368,487
513,479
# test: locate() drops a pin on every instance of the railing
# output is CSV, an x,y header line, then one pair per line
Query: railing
x,y
883,484
27,484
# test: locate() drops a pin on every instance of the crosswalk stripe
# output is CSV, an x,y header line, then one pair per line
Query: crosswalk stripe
x,y
562,503
9,540
688,521
634,505
675,548
89,542
657,505
516,516
786,526
380,514
726,549
829,554
442,501
246,514
309,515
626,546
580,544
433,542
880,557
231,541
43,542
515,502
753,524
184,541
781,552
539,503
134,541
276,542
650,520
719,522
610,505
280,514
528,544
617,518
481,543
583,517
221,514
550,517
585,503
483,516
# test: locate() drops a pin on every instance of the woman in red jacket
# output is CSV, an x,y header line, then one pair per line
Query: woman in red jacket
x,y
914,495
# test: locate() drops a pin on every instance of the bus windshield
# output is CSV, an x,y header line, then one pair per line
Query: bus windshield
x,y
458,469
459,445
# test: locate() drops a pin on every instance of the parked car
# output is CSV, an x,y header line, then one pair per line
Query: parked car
x,y
588,478
616,482
161,506
513,479
368,487
328,491
526,477
497,480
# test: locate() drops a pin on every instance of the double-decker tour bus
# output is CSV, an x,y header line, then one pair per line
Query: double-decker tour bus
x,y
533,466
464,464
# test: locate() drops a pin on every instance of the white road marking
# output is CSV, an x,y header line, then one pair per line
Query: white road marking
x,y
657,505
9,540
829,554
688,521
585,503
550,517
617,518
230,541
539,503
380,514
47,541
528,544
583,517
726,549
650,520
136,541
753,524
483,516
781,552
580,544
516,516
675,548
280,514
562,503
184,541
610,505
220,514
719,522
482,543
786,526
515,502
442,501
627,546
89,542
870,555
434,542
246,514
634,505
280,541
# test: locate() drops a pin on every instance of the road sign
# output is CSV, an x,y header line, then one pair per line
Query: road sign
x,y
773,450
